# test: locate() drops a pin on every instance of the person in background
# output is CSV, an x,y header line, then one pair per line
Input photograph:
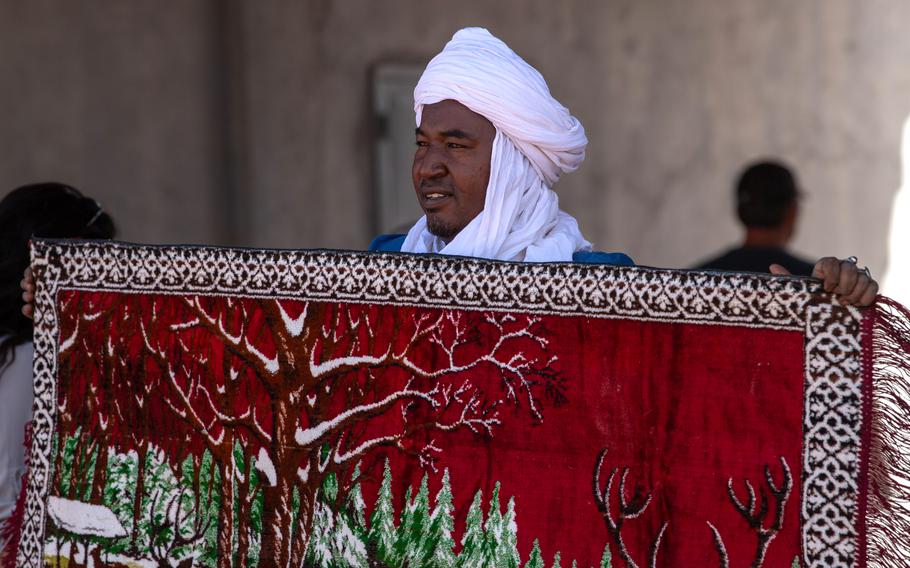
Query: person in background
x,y
767,204
51,210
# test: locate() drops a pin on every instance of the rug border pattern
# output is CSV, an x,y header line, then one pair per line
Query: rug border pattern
x,y
601,291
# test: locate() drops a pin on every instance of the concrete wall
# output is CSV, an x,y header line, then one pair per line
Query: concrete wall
x,y
116,98
249,122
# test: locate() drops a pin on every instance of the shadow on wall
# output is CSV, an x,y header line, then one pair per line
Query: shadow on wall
x,y
896,280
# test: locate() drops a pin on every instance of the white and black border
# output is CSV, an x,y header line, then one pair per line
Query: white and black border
x,y
832,414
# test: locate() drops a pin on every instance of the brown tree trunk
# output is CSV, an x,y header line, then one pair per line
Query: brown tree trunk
x,y
99,478
304,523
277,521
243,515
277,499
142,452
76,469
226,516
58,464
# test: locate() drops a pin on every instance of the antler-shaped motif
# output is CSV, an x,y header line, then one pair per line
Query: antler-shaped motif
x,y
628,509
754,511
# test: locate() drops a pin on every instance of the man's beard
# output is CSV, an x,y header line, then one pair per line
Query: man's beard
x,y
441,229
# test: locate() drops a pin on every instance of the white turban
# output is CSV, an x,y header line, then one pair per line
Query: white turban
x,y
536,141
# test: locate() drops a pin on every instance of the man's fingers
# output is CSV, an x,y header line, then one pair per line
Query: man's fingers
x,y
28,293
861,284
868,297
849,277
778,270
842,277
28,280
828,270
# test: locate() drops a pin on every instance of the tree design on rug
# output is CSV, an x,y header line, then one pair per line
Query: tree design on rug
x,y
755,512
628,509
175,530
264,402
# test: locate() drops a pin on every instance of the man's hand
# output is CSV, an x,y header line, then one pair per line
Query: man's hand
x,y
842,277
28,294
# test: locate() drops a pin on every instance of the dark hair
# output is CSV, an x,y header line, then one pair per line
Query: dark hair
x,y
764,192
51,210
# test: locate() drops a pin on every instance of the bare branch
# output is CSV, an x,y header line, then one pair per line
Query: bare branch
x,y
628,509
756,518
655,546
721,547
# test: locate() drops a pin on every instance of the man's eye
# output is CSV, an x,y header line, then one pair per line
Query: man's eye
x,y
454,145
421,143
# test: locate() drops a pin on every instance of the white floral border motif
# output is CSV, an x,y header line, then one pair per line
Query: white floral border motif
x,y
832,418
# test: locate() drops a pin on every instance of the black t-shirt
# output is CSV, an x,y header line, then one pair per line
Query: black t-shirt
x,y
758,259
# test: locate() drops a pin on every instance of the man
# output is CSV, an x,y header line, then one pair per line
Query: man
x,y
767,205
491,143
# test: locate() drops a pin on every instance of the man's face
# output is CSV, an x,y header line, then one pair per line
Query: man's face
x,y
452,166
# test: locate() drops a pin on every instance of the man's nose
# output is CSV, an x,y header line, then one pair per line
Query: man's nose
x,y
432,164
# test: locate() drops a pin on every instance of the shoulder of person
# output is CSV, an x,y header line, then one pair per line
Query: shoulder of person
x,y
387,243
598,257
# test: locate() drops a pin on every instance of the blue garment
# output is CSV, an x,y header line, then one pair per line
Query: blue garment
x,y
392,243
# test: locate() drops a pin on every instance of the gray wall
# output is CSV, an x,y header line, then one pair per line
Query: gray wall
x,y
116,98
249,122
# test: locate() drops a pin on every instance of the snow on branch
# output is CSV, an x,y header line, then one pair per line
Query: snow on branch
x,y
306,437
474,414
71,340
184,325
294,326
238,343
270,364
324,368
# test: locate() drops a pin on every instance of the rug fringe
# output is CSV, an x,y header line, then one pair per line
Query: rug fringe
x,y
888,506
12,529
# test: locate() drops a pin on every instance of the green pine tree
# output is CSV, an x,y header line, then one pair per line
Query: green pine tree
x,y
508,556
535,560
381,535
795,562
347,539
118,494
319,549
348,548
442,525
492,542
472,543
356,505
606,561
334,542
556,560
412,532
404,528
210,483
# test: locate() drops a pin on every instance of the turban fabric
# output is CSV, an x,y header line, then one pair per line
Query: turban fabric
x,y
536,141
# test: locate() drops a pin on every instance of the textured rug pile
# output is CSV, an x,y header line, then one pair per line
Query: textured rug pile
x,y
219,407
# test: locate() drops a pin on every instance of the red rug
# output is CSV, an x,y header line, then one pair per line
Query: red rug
x,y
216,407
